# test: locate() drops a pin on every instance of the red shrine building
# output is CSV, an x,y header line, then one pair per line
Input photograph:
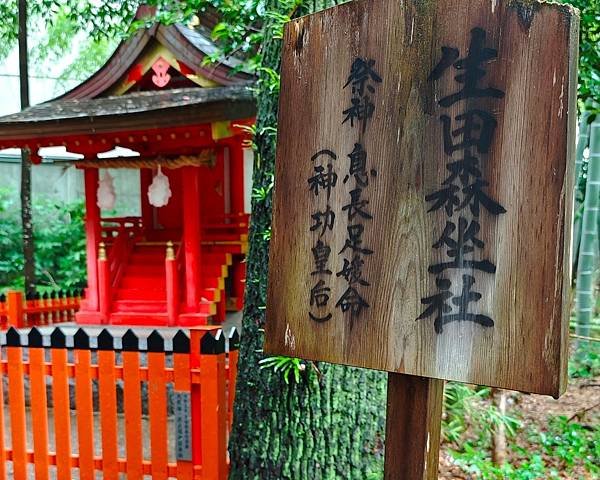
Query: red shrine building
x,y
181,262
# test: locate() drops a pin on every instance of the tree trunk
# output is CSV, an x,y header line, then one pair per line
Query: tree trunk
x,y
331,424
27,224
26,210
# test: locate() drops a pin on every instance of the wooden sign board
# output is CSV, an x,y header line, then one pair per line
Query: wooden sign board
x,y
423,187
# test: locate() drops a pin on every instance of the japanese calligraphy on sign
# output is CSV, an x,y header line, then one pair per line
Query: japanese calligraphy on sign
x,y
463,187
323,179
422,191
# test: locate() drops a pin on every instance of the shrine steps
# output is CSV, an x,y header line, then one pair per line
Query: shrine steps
x,y
154,306
158,284
158,270
138,282
139,306
140,295
145,270
209,294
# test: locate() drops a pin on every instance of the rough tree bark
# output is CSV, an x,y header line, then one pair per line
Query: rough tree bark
x,y
330,425
26,209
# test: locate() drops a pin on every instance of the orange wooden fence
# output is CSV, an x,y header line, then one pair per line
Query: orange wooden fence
x,y
47,309
118,405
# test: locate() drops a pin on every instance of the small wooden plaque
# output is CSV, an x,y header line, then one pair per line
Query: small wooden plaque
x,y
423,190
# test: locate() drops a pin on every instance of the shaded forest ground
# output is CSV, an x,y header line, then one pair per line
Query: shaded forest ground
x,y
552,439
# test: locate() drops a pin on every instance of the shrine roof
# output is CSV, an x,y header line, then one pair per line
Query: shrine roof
x,y
134,111
156,94
199,38
185,48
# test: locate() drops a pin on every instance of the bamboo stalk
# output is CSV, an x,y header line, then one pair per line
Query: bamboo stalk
x,y
588,253
582,143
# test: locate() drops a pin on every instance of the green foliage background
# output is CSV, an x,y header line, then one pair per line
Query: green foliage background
x,y
589,50
536,451
240,30
60,243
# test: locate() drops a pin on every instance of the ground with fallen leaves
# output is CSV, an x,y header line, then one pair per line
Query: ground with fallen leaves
x,y
580,404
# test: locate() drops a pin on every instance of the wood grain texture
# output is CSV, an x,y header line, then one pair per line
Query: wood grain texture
x,y
528,167
412,442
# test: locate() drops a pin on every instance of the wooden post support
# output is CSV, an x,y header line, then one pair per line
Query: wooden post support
x,y
108,405
196,396
2,432
85,404
213,409
14,303
16,400
39,404
172,284
182,385
61,402
157,406
412,442
104,282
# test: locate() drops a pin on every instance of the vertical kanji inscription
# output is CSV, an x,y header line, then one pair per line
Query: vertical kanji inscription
x,y
470,134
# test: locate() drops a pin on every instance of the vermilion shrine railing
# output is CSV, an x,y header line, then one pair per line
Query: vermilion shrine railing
x,y
226,233
111,227
222,227
171,421
45,309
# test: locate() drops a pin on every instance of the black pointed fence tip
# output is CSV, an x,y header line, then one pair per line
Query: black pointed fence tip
x,y
58,339
13,338
35,338
106,340
81,339
181,342
213,343
130,341
156,342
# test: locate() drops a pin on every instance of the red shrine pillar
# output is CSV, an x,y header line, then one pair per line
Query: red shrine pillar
x,y
236,175
191,234
92,235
